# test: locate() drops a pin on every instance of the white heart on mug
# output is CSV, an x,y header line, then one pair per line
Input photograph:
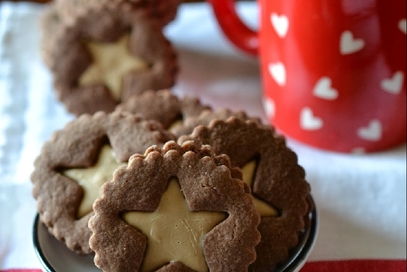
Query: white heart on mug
x,y
373,132
277,71
269,107
323,89
348,44
280,24
403,25
309,121
394,84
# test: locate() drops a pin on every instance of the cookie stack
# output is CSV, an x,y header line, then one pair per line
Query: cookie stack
x,y
147,181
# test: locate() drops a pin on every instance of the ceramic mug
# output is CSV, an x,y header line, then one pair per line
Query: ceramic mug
x,y
333,71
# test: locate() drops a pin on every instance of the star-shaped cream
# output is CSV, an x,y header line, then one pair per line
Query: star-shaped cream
x,y
92,178
174,232
263,208
111,62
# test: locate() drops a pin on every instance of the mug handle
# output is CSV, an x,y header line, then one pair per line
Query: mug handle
x,y
233,27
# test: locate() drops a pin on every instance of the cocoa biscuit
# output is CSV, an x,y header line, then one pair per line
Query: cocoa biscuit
x,y
87,148
164,10
69,10
106,53
178,115
151,190
278,180
50,24
207,116
164,107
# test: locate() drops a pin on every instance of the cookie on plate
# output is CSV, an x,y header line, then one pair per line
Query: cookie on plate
x,y
175,208
278,185
207,116
103,52
77,160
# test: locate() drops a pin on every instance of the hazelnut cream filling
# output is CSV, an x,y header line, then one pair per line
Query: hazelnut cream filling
x,y
174,232
177,123
111,62
262,207
92,178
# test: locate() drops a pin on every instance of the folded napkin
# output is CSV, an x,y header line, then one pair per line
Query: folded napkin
x,y
361,199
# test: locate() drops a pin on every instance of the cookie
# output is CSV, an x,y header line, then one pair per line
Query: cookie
x,y
77,160
175,208
278,182
164,10
106,52
164,107
178,115
50,24
207,116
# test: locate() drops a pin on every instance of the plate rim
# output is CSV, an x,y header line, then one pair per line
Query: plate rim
x,y
37,246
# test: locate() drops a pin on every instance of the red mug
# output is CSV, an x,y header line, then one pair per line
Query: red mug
x,y
333,71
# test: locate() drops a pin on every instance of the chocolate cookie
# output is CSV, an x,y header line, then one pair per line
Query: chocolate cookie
x,y
106,52
164,10
164,107
207,116
278,182
77,160
175,208
50,23
178,115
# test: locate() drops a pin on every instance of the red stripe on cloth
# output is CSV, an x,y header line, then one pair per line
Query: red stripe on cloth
x,y
326,266
356,266
21,270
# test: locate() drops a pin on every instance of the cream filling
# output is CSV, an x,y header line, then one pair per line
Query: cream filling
x,y
112,61
175,125
262,207
92,178
174,232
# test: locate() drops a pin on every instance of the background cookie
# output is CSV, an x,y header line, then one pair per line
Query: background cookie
x,y
178,115
205,186
163,10
50,23
207,116
278,181
104,53
68,159
165,107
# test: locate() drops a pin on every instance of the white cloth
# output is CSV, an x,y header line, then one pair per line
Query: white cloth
x,y
361,199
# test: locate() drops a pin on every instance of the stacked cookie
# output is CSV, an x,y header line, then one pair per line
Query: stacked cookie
x,y
101,52
174,176
148,181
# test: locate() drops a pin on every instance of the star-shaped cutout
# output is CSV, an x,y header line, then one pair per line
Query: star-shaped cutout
x,y
92,178
263,208
174,232
111,62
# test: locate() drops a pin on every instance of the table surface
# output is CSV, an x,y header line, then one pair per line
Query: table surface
x,y
361,199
